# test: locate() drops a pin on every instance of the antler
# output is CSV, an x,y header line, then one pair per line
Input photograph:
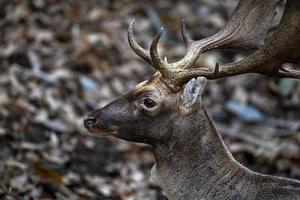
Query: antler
x,y
246,29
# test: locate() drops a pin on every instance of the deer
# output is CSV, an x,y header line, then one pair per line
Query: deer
x,y
167,111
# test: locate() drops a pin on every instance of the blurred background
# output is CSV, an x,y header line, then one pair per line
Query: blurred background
x,y
60,59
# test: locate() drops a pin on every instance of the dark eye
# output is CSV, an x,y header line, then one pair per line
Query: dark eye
x,y
149,103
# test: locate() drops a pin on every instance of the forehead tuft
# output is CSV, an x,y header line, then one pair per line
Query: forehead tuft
x,y
155,83
145,86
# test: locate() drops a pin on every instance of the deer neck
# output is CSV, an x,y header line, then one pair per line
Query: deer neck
x,y
195,160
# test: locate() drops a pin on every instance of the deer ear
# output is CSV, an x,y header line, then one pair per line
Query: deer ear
x,y
192,91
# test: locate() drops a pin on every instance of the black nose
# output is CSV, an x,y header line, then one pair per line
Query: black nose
x,y
89,122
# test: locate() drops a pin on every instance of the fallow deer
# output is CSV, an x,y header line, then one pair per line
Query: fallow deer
x,y
167,112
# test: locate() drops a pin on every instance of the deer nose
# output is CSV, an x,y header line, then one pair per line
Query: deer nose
x,y
89,122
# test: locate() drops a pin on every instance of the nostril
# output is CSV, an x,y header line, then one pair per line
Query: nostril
x,y
89,121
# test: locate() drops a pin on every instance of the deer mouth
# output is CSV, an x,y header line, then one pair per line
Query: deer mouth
x,y
103,133
93,127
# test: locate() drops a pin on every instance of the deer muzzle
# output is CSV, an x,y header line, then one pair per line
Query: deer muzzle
x,y
99,122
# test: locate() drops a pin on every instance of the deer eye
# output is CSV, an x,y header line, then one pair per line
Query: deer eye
x,y
149,103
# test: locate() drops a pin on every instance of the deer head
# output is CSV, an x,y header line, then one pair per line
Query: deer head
x,y
145,113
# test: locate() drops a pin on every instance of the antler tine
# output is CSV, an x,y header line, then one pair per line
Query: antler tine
x,y
194,48
192,53
188,41
159,63
289,73
141,52
151,56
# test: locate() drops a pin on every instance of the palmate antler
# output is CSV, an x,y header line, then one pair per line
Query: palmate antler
x,y
247,29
